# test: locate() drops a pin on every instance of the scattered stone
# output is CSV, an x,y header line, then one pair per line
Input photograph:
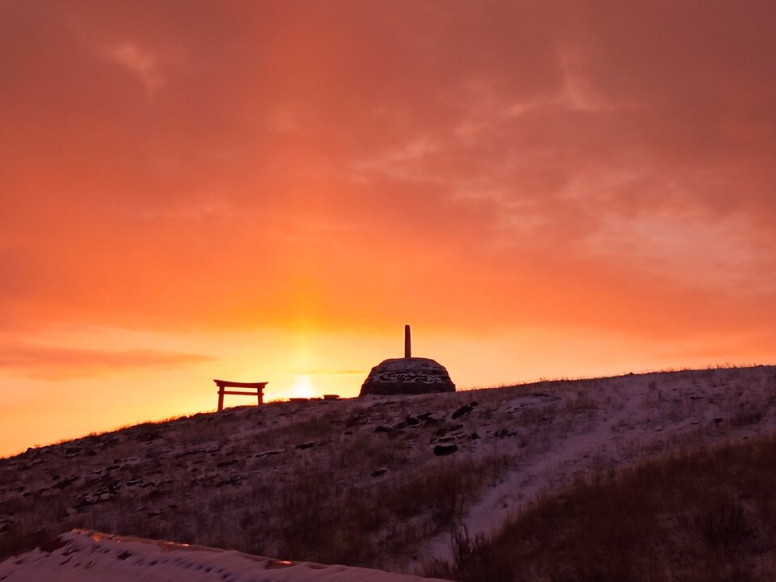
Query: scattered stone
x,y
271,453
445,430
66,482
464,410
503,433
443,450
310,444
448,439
234,480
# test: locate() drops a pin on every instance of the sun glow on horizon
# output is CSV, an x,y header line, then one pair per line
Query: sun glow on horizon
x,y
302,387
541,200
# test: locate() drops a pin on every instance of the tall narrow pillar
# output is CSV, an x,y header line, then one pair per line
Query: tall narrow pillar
x,y
407,342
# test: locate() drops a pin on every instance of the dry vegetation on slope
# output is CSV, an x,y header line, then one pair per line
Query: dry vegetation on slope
x,y
708,516
332,482
358,482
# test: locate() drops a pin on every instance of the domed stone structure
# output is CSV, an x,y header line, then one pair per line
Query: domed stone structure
x,y
407,375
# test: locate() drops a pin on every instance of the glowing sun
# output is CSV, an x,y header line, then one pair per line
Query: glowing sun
x,y
302,387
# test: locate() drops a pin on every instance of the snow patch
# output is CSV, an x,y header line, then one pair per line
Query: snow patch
x,y
87,556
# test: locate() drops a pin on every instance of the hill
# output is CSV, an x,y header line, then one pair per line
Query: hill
x,y
706,515
378,482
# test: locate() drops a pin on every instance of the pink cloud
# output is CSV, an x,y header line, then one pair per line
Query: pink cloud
x,y
57,363
283,147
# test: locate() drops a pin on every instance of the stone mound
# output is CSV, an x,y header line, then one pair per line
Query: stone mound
x,y
407,376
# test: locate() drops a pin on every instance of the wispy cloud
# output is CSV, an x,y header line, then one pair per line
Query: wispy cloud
x,y
59,363
353,165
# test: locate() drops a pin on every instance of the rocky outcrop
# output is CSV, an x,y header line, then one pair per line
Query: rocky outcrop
x,y
407,376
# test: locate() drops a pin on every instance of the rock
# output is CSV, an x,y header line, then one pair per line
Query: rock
x,y
63,483
443,450
407,376
231,481
271,453
310,444
464,410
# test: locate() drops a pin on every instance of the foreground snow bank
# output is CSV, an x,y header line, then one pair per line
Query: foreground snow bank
x,y
85,556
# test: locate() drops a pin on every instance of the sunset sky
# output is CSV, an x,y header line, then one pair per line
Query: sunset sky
x,y
269,190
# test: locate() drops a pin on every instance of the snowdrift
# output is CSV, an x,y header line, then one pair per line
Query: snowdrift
x,y
86,556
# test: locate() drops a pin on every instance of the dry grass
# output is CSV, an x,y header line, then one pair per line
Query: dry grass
x,y
344,482
706,516
321,528
357,482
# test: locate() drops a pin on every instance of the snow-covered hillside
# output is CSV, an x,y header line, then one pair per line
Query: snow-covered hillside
x,y
379,481
616,421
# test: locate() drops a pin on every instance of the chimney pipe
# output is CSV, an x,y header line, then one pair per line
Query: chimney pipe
x,y
407,342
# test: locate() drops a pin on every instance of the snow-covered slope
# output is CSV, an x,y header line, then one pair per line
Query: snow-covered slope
x,y
375,482
602,424
84,556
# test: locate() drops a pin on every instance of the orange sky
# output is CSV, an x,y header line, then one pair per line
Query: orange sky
x,y
261,190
